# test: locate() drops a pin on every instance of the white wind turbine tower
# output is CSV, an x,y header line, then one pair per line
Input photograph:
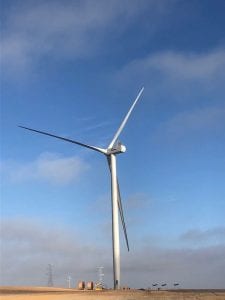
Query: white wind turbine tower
x,y
110,152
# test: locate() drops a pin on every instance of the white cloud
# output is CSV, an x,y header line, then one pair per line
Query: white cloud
x,y
47,167
188,65
29,245
179,65
181,78
207,120
197,235
72,29
192,268
176,76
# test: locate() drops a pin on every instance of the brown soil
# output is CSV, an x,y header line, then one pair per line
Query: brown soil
x,y
45,293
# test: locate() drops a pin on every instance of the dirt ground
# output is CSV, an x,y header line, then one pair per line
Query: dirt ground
x,y
43,293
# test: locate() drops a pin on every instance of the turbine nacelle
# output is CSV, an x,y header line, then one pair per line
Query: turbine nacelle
x,y
116,149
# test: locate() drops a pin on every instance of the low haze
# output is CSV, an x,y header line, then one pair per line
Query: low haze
x,y
73,69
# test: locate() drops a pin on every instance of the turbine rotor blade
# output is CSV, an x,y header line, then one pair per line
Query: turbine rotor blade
x,y
125,120
120,208
67,140
122,216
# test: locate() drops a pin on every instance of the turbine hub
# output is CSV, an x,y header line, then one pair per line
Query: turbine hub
x,y
117,149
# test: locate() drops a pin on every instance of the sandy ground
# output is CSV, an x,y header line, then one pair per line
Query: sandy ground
x,y
41,293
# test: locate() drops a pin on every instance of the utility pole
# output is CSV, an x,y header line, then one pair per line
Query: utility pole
x,y
100,277
50,275
69,281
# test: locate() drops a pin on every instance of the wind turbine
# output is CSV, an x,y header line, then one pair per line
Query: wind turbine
x,y
114,148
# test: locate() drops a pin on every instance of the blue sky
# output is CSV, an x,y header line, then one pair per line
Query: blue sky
x,y
73,69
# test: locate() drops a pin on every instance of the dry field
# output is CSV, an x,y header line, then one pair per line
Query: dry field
x,y
42,293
